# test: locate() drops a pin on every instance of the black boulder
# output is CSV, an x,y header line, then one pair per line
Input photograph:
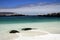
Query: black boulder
x,y
26,29
14,31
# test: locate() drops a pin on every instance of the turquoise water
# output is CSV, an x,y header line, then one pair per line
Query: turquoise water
x,y
27,19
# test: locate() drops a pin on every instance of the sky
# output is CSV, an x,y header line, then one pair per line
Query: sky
x,y
16,3
30,7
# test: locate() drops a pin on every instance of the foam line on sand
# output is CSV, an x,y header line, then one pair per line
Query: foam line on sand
x,y
43,37
37,35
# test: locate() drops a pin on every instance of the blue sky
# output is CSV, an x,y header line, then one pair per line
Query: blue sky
x,y
15,3
30,7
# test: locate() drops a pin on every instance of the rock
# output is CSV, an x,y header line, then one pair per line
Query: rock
x,y
26,29
14,31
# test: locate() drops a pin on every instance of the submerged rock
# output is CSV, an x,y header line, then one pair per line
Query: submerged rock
x,y
26,29
14,31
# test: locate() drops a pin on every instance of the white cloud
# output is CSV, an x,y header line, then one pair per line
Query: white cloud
x,y
34,10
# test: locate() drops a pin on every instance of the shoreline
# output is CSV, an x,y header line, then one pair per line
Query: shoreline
x,y
48,26
29,22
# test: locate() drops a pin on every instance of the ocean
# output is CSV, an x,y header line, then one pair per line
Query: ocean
x,y
27,19
8,23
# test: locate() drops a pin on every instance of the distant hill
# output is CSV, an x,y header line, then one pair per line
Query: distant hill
x,y
10,14
51,15
15,14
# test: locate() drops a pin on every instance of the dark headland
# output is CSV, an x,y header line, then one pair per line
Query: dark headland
x,y
15,14
10,14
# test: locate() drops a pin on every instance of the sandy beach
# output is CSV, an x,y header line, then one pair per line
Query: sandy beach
x,y
51,31
43,37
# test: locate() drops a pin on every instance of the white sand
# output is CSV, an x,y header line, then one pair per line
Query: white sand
x,y
42,37
36,35
51,27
